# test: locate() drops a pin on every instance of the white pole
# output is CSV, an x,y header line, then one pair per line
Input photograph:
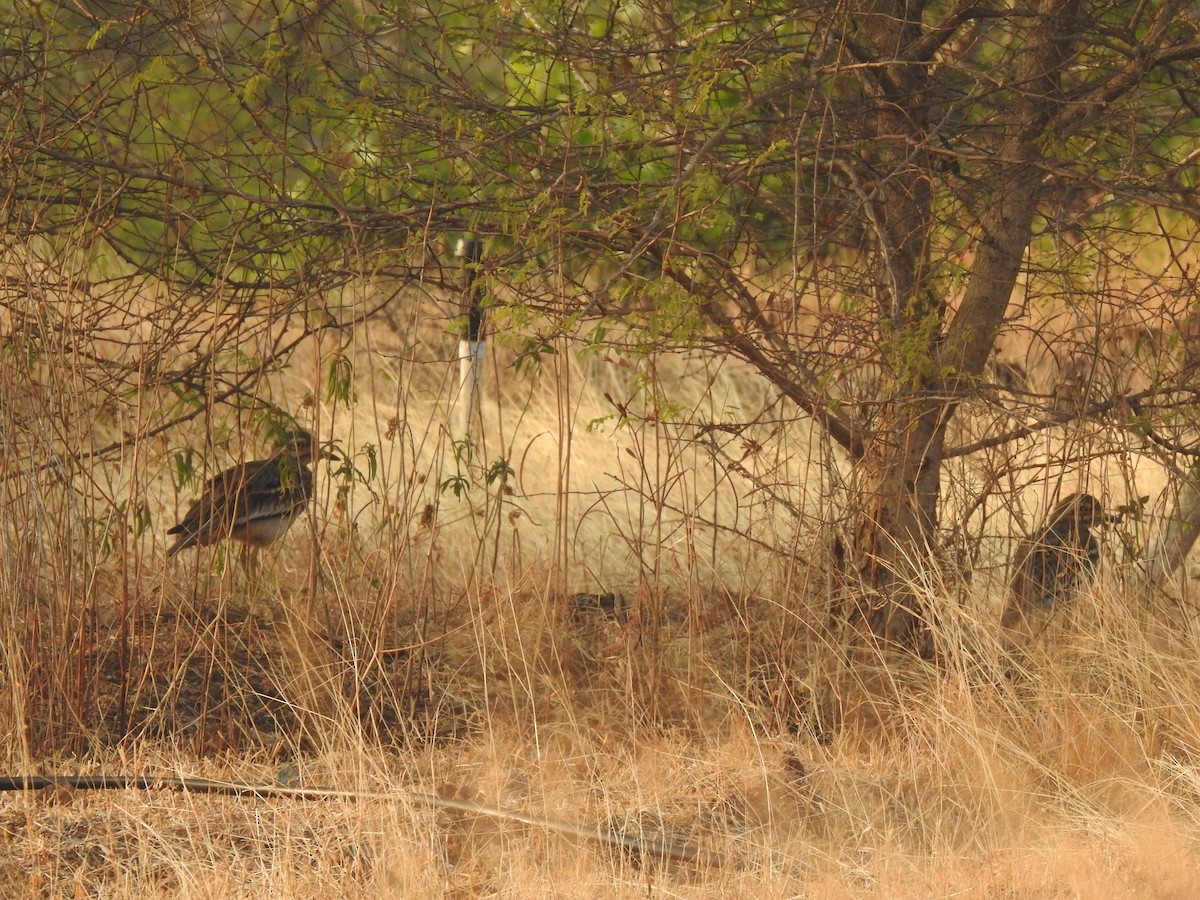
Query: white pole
x,y
472,348
466,403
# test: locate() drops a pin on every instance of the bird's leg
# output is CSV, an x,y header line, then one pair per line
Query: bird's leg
x,y
248,557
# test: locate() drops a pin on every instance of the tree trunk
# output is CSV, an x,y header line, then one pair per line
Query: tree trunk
x,y
893,542
1179,532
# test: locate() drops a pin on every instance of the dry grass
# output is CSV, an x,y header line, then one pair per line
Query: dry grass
x,y
406,638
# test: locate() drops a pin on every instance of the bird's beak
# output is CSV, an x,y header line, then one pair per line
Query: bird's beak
x,y
327,452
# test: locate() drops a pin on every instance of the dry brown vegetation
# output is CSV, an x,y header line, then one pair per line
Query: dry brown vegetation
x,y
627,627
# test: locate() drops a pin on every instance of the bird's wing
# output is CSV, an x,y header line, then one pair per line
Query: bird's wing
x,y
261,489
221,500
276,489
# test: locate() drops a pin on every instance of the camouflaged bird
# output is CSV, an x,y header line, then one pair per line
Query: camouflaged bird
x,y
255,502
1057,562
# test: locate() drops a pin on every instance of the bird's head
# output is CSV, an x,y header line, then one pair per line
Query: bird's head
x,y
1089,509
1077,513
305,447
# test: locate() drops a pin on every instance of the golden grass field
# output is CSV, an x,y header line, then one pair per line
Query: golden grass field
x,y
407,640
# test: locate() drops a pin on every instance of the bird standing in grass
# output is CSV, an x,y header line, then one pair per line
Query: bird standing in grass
x,y
1055,563
255,502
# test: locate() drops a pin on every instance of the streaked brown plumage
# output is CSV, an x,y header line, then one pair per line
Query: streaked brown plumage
x,y
255,502
1056,562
